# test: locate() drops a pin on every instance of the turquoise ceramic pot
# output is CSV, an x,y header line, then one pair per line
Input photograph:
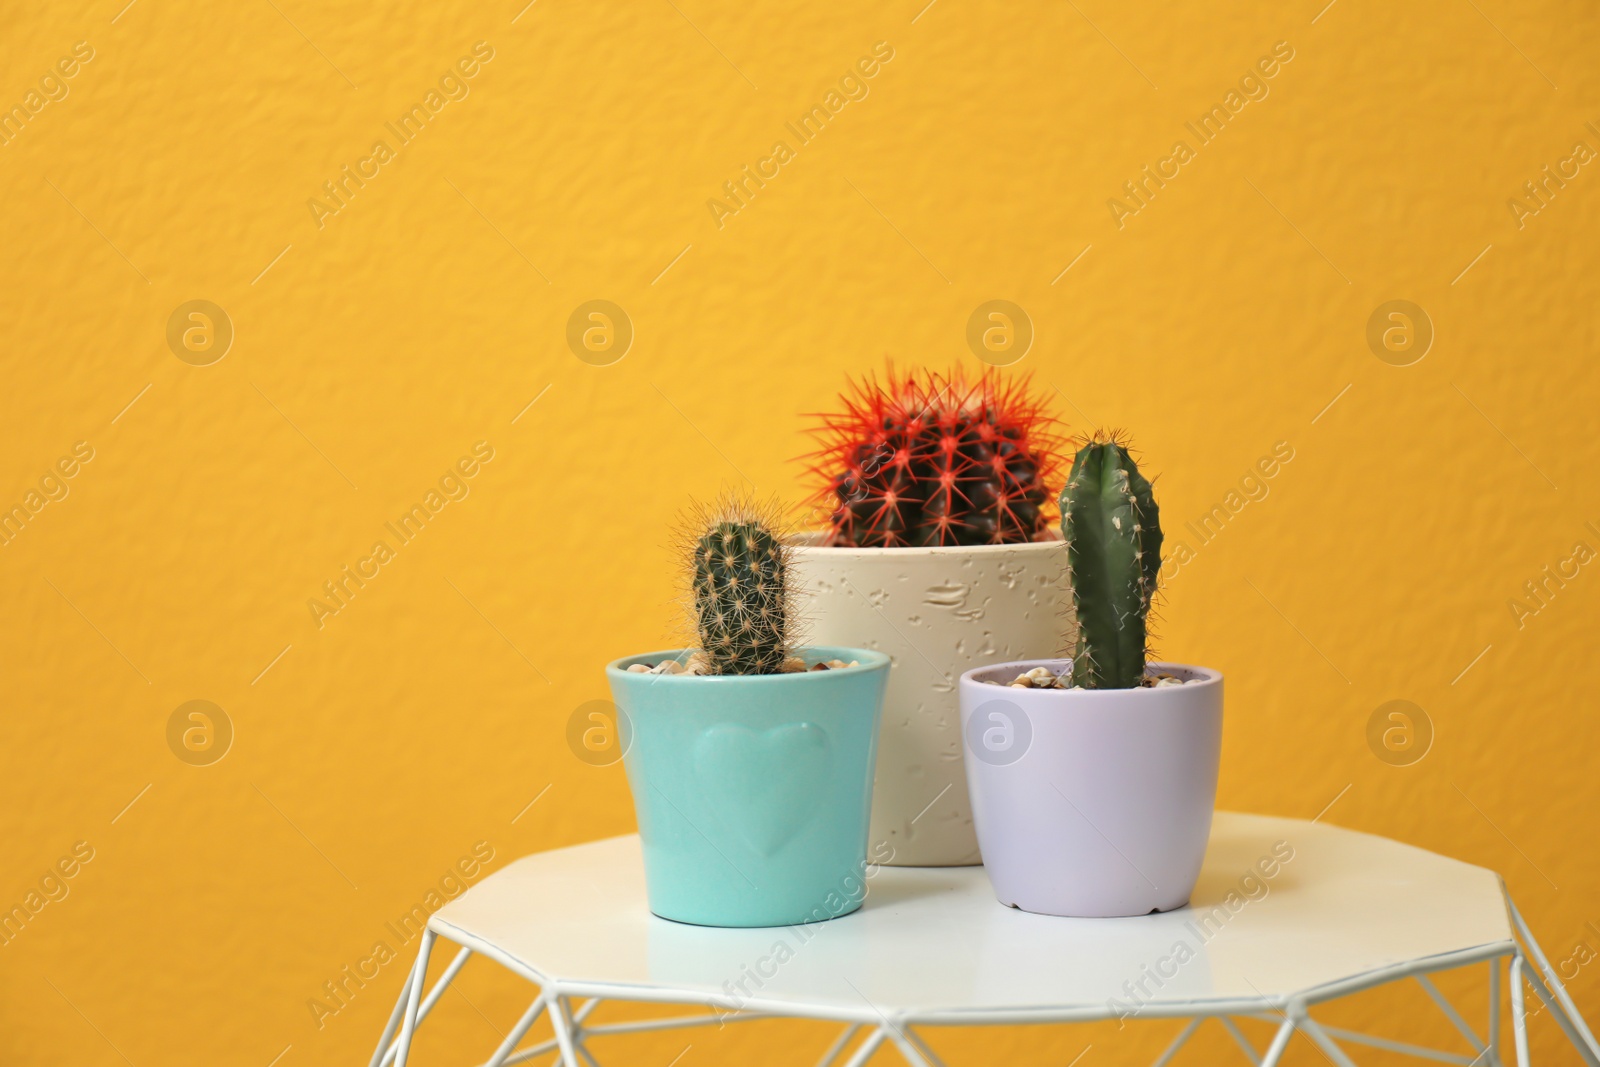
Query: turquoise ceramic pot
x,y
753,791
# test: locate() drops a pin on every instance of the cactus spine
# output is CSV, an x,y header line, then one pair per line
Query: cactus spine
x,y
740,587
1113,532
929,458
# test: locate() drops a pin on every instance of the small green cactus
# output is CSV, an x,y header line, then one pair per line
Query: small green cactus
x,y
1113,532
740,584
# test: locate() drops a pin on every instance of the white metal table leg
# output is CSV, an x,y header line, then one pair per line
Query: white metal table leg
x,y
907,1049
409,1027
1178,1042
560,1021
1280,1041
378,1054
519,1031
1572,1012
1239,1039
1519,1016
432,998
585,1010
580,1035
868,1047
1493,1059
1324,1042
927,1053
1450,1013
1562,1020
838,1045
1404,1048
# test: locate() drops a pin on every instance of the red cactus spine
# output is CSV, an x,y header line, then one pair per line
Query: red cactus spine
x,y
937,459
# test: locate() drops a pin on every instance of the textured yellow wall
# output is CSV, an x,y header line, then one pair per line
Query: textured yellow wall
x,y
379,338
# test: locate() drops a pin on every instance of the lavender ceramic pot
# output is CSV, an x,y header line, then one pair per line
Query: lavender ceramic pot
x,y
1092,803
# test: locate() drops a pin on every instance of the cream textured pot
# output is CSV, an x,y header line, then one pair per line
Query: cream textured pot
x,y
1092,802
937,612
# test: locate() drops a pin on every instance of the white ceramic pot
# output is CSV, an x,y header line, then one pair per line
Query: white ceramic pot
x,y
936,612
1092,802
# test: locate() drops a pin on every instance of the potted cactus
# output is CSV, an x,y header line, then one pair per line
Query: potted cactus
x,y
750,759
938,549
1094,777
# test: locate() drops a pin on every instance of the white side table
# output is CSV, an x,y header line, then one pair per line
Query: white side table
x,y
931,946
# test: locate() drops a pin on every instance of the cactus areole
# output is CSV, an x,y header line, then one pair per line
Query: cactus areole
x,y
1113,532
928,459
739,589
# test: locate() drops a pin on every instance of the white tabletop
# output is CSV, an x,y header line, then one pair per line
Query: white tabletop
x,y
933,943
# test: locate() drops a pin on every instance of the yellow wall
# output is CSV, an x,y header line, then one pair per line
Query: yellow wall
x,y
376,345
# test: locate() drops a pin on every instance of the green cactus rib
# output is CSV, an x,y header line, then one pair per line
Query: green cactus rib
x,y
739,598
1113,532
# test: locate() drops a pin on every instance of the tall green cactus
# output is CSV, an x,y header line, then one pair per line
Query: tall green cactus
x,y
1113,532
740,587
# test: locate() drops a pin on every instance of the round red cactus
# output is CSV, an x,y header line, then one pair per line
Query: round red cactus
x,y
937,459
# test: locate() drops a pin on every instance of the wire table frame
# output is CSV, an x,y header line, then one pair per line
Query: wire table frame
x,y
1288,916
